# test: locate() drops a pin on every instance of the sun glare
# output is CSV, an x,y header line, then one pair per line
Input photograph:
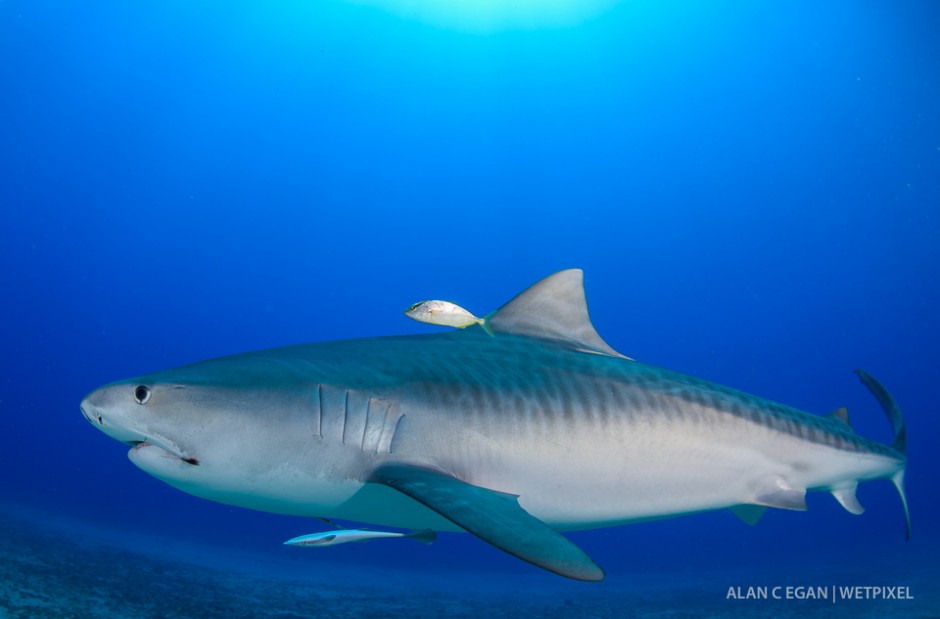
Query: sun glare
x,y
490,16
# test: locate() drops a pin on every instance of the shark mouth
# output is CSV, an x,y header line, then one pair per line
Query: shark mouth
x,y
167,449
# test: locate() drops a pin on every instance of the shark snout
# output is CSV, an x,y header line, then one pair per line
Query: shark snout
x,y
101,412
105,408
92,417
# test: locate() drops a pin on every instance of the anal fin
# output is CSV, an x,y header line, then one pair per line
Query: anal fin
x,y
495,517
845,495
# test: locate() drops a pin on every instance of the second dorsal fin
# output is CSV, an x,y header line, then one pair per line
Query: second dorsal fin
x,y
552,309
841,414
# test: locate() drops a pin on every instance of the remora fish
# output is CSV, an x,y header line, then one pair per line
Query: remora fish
x,y
345,536
539,429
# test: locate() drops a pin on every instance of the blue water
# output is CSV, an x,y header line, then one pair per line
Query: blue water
x,y
752,189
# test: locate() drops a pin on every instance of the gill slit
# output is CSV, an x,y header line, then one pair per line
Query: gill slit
x,y
345,416
320,411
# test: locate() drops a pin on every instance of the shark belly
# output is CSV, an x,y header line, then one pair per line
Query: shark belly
x,y
675,469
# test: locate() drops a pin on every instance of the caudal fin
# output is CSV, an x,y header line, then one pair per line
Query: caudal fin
x,y
893,411
898,480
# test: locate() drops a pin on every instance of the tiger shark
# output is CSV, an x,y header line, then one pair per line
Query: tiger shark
x,y
514,435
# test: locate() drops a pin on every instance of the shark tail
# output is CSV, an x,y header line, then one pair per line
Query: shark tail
x,y
893,411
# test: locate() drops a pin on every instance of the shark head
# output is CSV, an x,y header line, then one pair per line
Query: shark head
x,y
146,414
228,430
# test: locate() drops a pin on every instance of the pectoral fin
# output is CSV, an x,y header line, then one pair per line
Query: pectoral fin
x,y
494,517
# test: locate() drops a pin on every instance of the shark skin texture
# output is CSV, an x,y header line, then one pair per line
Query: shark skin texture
x,y
515,434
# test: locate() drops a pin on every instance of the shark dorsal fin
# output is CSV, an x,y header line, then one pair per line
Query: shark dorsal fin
x,y
552,309
841,414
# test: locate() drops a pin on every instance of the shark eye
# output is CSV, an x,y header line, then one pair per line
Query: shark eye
x,y
141,394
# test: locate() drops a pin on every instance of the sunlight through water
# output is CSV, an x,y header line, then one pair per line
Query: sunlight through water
x,y
491,16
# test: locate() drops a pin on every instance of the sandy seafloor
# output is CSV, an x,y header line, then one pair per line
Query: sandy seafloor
x,y
54,566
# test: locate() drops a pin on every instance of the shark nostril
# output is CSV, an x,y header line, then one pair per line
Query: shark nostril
x,y
92,418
